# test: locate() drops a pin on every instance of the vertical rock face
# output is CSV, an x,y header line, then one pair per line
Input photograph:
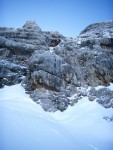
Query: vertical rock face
x,y
50,70
16,46
55,66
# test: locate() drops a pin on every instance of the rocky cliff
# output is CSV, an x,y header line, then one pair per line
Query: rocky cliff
x,y
52,67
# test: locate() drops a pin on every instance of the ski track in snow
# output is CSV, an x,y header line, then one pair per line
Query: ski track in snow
x,y
24,125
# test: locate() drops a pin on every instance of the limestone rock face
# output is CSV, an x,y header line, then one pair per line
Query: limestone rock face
x,y
16,46
53,38
31,25
53,66
50,70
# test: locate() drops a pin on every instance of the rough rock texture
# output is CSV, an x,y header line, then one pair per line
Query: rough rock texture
x,y
50,100
108,118
55,66
17,45
50,70
103,96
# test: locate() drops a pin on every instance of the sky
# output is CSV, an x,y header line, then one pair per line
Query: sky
x,y
69,17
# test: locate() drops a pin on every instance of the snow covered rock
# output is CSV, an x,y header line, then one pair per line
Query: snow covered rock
x,y
53,38
32,25
58,64
49,70
11,73
50,100
16,46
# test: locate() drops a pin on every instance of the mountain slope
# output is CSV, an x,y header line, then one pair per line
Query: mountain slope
x,y
52,67
24,125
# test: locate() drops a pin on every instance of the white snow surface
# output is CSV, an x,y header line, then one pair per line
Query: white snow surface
x,y
24,125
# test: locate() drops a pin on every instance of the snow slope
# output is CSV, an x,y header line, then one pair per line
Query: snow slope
x,y
25,126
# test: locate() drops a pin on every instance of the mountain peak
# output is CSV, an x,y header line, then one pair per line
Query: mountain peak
x,y
31,25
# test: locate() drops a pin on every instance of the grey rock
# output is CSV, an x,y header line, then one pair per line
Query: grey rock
x,y
62,105
104,92
50,100
108,118
92,92
49,70
53,38
106,42
81,91
32,25
73,101
91,98
55,66
11,73
94,29
46,79
105,97
16,46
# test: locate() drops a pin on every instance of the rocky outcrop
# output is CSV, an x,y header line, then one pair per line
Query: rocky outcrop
x,y
108,118
50,100
50,70
55,67
16,47
53,38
